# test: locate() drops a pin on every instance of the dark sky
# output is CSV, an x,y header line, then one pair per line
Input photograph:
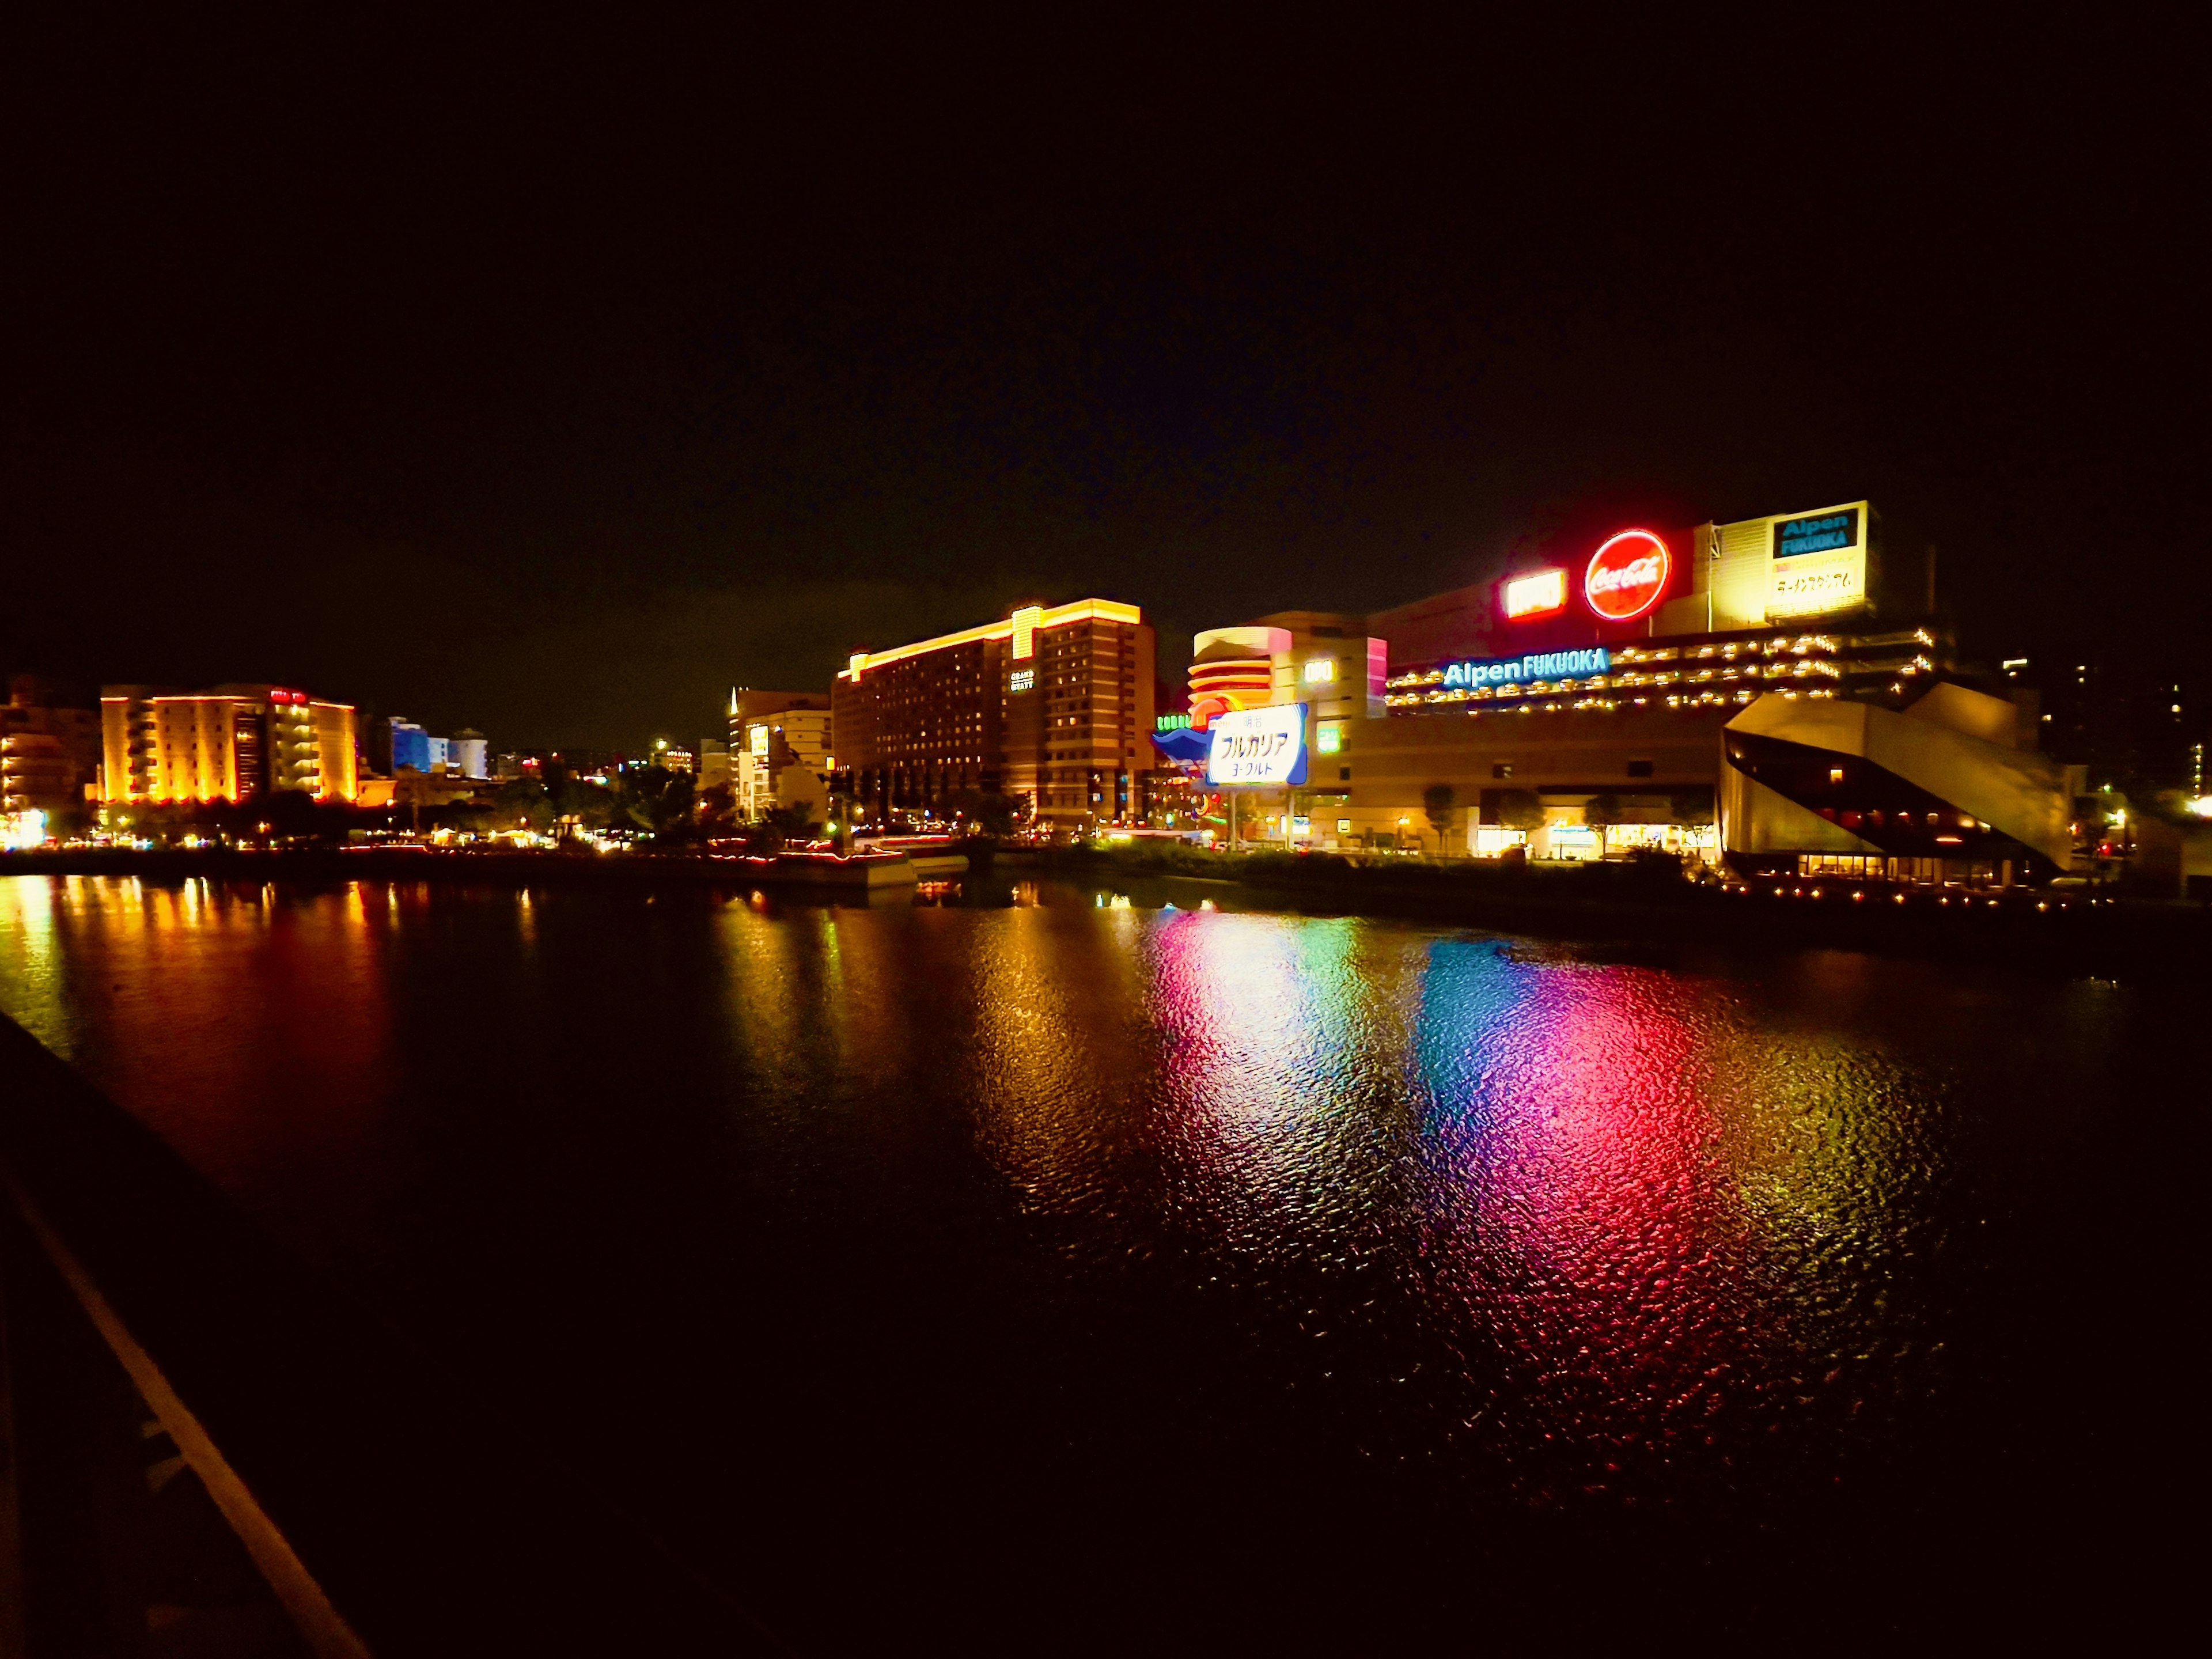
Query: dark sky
x,y
552,383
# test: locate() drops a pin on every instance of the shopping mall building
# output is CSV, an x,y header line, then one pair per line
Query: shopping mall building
x,y
1750,690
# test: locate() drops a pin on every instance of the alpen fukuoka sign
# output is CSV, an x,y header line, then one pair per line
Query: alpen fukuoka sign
x,y
1819,561
1535,666
1259,746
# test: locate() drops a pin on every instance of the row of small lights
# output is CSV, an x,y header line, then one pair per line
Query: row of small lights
x,y
1602,682
1859,896
1775,647
1727,653
1704,699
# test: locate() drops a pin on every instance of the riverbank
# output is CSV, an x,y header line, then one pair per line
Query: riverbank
x,y
1645,905
516,868
1618,905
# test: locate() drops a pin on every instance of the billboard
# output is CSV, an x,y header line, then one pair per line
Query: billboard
x,y
1818,562
1258,745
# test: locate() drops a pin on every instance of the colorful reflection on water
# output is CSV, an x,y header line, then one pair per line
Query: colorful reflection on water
x,y
1569,1232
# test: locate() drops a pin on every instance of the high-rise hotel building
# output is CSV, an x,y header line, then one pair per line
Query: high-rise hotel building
x,y
1054,703
231,744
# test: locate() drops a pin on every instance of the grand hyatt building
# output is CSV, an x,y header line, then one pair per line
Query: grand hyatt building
x,y
1754,690
1053,703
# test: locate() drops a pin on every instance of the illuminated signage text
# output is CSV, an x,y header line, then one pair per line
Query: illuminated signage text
x,y
1821,533
1533,666
1258,745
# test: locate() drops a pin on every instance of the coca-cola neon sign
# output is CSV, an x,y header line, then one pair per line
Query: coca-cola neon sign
x,y
1628,575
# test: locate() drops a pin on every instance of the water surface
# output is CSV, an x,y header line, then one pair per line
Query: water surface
x,y
1035,1264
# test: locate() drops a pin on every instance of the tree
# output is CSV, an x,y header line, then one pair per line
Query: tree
x,y
1521,809
783,825
654,799
717,813
1438,803
1600,812
525,803
587,804
1692,809
986,810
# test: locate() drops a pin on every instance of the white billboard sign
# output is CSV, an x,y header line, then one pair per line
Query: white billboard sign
x,y
1258,745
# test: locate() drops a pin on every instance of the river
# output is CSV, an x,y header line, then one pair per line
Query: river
x,y
1036,1264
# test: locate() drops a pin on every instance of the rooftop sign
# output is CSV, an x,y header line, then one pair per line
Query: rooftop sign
x,y
1820,563
1542,594
1628,575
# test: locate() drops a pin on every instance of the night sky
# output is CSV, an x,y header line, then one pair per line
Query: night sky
x,y
553,383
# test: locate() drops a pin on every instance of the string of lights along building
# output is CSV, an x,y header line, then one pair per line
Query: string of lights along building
x,y
233,743
1053,703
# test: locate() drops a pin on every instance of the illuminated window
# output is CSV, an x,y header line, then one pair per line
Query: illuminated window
x,y
1835,774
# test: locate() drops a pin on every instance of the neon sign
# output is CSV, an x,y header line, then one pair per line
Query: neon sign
x,y
1258,745
1541,594
1533,666
1628,575
1022,679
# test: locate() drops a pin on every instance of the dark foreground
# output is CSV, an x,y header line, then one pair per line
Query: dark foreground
x,y
676,1272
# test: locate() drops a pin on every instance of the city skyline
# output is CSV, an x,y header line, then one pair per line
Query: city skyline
x,y
558,412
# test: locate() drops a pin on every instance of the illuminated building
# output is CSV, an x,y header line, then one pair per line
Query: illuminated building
x,y
1576,707
1054,703
779,750
407,747
48,754
231,744
467,753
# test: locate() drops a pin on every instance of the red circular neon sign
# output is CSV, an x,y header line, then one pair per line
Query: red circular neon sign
x,y
1628,575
